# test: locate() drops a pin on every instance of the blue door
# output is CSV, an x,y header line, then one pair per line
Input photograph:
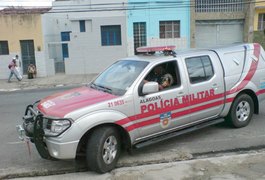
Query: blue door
x,y
65,36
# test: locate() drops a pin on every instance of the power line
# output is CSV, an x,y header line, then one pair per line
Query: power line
x,y
147,5
146,2
137,6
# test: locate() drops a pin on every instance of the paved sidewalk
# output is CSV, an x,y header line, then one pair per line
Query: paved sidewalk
x,y
45,82
235,167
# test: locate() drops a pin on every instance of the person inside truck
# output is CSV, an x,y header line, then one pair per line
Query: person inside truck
x,y
159,75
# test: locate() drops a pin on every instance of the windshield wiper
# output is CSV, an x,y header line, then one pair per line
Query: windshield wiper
x,y
101,88
93,85
105,89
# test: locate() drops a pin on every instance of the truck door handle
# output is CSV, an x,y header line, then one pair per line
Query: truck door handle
x,y
215,86
180,94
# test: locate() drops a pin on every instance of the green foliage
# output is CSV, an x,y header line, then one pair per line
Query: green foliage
x,y
259,37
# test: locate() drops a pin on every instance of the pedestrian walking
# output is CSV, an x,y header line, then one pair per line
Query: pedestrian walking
x,y
18,64
13,70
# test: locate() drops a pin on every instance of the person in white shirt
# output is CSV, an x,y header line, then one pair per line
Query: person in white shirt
x,y
18,62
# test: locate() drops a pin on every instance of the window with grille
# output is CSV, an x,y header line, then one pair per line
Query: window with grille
x,y
261,22
111,35
169,29
4,48
139,35
219,6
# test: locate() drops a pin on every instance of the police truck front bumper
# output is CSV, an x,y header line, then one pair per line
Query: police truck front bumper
x,y
39,129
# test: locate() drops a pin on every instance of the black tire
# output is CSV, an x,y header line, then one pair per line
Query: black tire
x,y
241,111
103,149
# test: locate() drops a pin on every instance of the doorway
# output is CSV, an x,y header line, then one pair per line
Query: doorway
x,y
27,54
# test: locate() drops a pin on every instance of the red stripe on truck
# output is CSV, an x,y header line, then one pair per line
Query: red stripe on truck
x,y
251,72
174,115
240,86
167,109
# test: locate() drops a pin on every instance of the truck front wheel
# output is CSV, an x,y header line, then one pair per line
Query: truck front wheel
x,y
103,149
241,111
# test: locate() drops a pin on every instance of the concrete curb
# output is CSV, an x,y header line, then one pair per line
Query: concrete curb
x,y
230,166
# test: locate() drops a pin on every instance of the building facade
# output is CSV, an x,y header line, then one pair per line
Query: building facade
x,y
84,36
259,17
21,34
221,22
156,23
259,22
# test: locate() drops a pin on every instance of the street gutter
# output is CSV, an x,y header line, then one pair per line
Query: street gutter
x,y
80,165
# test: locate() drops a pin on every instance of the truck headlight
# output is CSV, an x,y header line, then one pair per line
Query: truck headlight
x,y
55,127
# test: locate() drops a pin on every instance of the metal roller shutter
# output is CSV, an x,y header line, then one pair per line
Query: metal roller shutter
x,y
213,33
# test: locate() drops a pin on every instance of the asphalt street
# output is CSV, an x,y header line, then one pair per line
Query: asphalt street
x,y
19,159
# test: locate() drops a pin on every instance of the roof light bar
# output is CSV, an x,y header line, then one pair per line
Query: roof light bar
x,y
154,49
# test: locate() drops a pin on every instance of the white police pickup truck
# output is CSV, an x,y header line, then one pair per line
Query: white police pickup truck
x,y
144,99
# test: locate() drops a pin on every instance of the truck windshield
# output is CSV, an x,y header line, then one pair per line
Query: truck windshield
x,y
119,77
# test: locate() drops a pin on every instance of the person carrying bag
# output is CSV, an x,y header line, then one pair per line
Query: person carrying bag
x,y
14,71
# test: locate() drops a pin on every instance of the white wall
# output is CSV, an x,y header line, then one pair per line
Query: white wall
x,y
53,25
40,64
86,55
4,61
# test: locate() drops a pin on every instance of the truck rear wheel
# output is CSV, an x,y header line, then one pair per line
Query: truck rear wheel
x,y
241,111
103,149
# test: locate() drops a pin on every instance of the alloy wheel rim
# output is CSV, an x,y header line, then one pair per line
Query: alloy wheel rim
x,y
243,111
109,149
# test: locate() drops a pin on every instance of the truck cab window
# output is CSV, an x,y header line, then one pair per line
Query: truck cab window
x,y
199,68
165,74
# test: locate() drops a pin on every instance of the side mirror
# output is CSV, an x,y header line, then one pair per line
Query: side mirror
x,y
150,87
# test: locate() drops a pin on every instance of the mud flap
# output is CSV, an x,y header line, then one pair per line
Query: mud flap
x,y
38,137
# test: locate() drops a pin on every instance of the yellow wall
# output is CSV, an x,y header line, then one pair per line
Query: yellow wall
x,y
14,28
259,9
260,3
